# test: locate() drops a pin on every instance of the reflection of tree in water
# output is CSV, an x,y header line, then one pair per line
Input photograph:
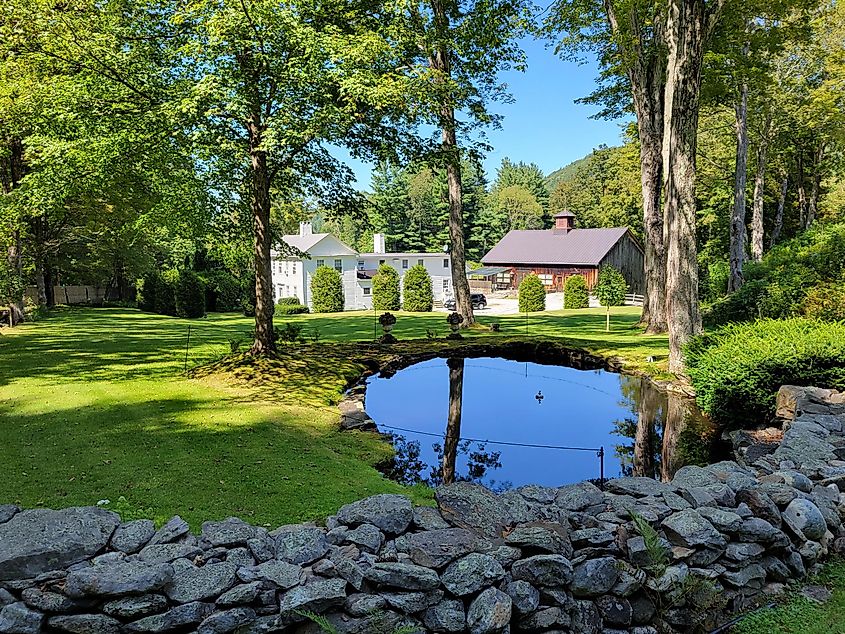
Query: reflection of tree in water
x,y
665,431
407,467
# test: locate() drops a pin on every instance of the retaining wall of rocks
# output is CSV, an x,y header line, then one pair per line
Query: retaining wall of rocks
x,y
534,559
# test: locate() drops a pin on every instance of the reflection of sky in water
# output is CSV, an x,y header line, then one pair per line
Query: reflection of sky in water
x,y
578,409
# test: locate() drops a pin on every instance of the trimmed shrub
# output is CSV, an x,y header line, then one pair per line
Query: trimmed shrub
x,y
326,290
190,295
738,369
532,294
290,306
417,296
612,287
575,292
223,292
386,288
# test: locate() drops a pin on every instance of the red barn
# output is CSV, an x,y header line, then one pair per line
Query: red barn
x,y
555,254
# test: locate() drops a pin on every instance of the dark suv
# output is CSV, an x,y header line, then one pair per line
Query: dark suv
x,y
478,301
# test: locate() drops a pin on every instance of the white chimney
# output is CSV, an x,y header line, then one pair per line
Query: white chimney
x,y
378,243
305,229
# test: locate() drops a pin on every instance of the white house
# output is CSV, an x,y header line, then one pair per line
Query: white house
x,y
292,275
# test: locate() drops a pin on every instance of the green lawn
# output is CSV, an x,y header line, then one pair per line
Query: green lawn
x,y
94,405
799,615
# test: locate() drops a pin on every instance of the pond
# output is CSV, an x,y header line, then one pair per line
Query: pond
x,y
509,423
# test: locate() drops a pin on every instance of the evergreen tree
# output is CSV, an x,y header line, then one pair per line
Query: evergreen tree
x,y
417,295
386,288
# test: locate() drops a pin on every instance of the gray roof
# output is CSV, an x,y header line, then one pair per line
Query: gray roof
x,y
578,247
487,271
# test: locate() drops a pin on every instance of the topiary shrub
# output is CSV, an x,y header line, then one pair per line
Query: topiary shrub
x,y
417,295
532,294
190,295
290,306
326,290
386,288
611,287
738,369
575,292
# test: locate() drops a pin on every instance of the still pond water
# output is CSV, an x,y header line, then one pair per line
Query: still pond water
x,y
643,431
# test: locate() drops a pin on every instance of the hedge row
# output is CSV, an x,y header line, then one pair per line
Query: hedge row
x,y
738,369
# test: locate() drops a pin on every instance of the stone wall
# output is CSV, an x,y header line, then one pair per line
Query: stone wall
x,y
534,559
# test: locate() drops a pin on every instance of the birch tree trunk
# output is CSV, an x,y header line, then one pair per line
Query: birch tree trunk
x,y
737,226
451,153
759,191
778,222
802,190
453,425
688,24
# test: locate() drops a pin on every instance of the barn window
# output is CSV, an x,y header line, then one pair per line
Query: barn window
x,y
546,279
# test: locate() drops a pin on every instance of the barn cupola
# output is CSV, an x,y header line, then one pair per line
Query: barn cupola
x,y
564,222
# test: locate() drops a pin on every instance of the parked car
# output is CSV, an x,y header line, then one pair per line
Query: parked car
x,y
478,301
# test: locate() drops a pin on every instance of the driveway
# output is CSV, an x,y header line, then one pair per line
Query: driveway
x,y
497,304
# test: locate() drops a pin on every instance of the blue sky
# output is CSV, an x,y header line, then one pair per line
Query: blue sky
x,y
543,125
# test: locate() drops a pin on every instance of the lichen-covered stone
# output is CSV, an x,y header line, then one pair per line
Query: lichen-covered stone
x,y
130,608
300,544
805,519
594,577
437,548
118,579
543,570
389,512
18,618
181,616
471,573
489,613
472,506
85,624
446,616
133,536
192,583
525,597
688,528
314,596
402,576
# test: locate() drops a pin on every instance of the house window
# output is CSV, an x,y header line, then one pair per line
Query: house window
x,y
404,264
360,265
338,266
293,267
445,263
367,290
446,285
420,262
321,263
381,261
546,279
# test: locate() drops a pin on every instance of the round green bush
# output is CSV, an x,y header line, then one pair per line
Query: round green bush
x,y
326,290
532,294
417,295
612,287
738,369
190,295
575,292
290,306
386,288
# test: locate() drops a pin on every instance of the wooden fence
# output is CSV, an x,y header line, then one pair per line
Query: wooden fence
x,y
72,295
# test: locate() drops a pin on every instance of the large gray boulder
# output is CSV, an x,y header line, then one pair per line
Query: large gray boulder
x,y
300,543
525,597
172,530
117,579
280,573
232,531
316,596
435,549
18,618
178,618
580,496
39,540
130,608
133,536
636,486
85,624
389,512
402,576
191,583
447,616
546,537
594,577
489,613
688,528
805,519
472,573
543,570
472,506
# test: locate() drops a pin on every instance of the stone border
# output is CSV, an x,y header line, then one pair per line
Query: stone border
x,y
721,539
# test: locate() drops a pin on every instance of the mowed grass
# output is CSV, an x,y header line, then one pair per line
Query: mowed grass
x,y
94,404
796,614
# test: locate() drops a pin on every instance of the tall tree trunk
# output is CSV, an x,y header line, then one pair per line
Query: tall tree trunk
x,y
260,203
688,24
737,226
813,202
802,190
49,283
778,223
453,425
650,126
672,428
759,191
440,61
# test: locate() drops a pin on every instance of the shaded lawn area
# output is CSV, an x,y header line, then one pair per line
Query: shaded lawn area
x,y
94,405
799,615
